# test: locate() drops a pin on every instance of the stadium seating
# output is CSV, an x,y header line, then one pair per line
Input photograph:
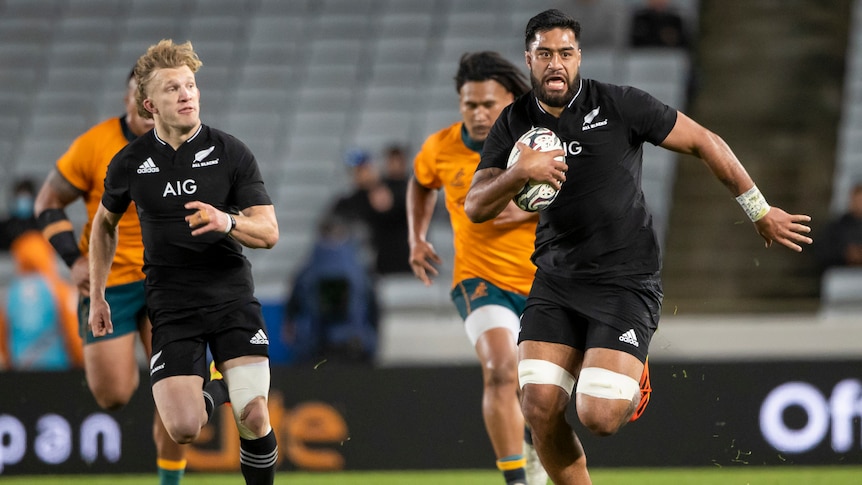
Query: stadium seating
x,y
841,292
841,288
298,81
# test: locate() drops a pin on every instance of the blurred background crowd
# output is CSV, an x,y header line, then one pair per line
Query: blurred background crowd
x,y
334,97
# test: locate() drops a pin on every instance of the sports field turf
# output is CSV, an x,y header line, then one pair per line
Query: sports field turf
x,y
850,475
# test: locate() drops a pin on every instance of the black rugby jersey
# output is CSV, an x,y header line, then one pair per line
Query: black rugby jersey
x,y
599,224
185,271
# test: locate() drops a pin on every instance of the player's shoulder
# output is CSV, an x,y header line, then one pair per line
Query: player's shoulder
x,y
629,102
447,134
521,105
224,140
143,144
593,89
101,130
216,134
516,118
443,139
618,93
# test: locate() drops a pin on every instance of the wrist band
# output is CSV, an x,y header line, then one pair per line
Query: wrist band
x,y
753,203
231,223
58,230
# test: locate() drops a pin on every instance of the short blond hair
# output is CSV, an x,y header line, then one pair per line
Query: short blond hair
x,y
164,55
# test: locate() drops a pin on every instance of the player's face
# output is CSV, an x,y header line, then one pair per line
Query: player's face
x,y
137,123
554,59
174,98
481,104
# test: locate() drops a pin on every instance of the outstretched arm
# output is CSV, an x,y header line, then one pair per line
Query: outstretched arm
x,y
772,223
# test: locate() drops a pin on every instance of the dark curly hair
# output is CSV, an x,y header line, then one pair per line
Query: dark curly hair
x,y
547,20
487,65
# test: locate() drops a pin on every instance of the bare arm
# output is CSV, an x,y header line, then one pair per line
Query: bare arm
x,y
56,194
103,245
256,226
777,225
514,216
420,208
492,188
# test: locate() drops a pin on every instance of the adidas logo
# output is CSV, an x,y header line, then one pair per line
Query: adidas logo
x,y
630,338
259,338
149,166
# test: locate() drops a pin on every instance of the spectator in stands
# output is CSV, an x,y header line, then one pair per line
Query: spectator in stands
x,y
38,324
395,177
841,242
111,364
657,24
492,272
332,311
20,217
376,209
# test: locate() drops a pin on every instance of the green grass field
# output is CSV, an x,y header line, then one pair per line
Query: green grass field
x,y
850,475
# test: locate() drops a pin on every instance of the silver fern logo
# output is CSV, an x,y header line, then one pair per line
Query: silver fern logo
x,y
591,116
199,156
589,123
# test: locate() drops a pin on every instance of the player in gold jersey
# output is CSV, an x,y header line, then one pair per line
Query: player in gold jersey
x,y
492,270
109,362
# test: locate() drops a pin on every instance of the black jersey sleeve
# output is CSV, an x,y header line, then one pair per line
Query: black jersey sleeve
x,y
650,119
117,196
248,187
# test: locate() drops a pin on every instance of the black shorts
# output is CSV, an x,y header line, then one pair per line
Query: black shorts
x,y
180,342
620,314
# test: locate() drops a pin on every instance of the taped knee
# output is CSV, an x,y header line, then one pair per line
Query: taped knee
x,y
246,383
535,371
606,384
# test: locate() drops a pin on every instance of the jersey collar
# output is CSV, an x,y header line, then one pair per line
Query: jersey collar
x,y
470,143
200,127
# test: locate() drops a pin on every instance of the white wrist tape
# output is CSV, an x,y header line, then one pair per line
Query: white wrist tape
x,y
753,203
229,225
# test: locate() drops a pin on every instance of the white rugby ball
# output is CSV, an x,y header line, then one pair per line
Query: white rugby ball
x,y
536,197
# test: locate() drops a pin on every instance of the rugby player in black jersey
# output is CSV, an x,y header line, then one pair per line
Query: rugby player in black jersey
x,y
200,198
596,297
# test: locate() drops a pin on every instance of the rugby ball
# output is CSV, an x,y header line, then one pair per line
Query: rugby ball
x,y
536,197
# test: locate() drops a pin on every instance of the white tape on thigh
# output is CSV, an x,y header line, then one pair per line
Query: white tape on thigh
x,y
244,384
535,371
491,316
606,384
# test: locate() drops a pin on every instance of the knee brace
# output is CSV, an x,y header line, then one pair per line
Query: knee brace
x,y
244,384
606,384
535,371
